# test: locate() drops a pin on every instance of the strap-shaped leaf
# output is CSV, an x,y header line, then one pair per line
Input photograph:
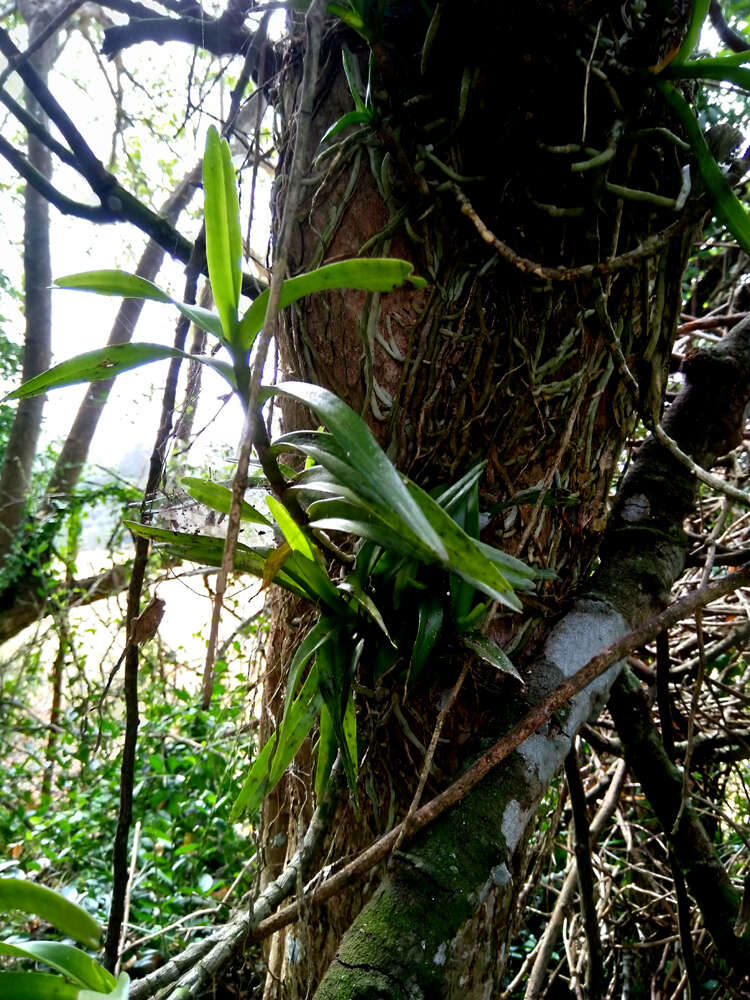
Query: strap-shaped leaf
x,y
219,498
79,967
105,363
464,557
698,15
366,603
36,986
210,550
711,69
280,749
335,663
374,274
378,476
320,633
68,917
339,514
316,577
327,747
430,616
132,286
223,233
725,203
345,121
491,653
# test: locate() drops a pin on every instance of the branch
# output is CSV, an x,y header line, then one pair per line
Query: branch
x,y
25,604
205,957
116,203
661,781
557,698
732,39
214,35
649,248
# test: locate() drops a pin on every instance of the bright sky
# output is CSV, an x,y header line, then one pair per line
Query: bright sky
x,y
81,321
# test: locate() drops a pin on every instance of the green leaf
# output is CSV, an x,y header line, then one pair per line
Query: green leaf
x,y
490,652
711,69
336,514
220,498
518,574
95,366
351,71
131,286
698,15
107,362
210,550
223,233
320,633
429,625
725,203
366,603
336,662
36,986
315,576
79,967
378,478
465,558
326,753
350,118
367,274
350,18
280,749
71,919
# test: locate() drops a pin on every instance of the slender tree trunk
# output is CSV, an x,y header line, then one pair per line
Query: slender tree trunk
x,y
15,476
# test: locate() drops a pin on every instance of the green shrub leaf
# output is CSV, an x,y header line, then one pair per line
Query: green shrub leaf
x,y
372,474
280,749
105,363
725,203
430,616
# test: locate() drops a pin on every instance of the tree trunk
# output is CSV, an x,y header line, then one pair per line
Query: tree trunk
x,y
15,476
489,122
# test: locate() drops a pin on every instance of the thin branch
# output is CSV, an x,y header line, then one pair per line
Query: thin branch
x,y
538,975
715,482
34,127
427,766
205,957
49,30
127,767
595,975
34,177
536,717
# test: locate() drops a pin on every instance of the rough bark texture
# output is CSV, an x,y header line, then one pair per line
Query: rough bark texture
x,y
463,866
490,361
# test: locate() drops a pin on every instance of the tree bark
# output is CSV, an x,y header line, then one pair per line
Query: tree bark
x,y
485,124
15,476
